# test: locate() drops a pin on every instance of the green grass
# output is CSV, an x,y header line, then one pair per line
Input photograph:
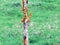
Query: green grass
x,y
44,28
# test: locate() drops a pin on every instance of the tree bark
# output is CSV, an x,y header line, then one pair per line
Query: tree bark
x,y
26,33
25,23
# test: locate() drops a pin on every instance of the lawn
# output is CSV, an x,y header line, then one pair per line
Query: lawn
x,y
44,28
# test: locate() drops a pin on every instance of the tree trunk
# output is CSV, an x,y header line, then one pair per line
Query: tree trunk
x,y
25,23
26,33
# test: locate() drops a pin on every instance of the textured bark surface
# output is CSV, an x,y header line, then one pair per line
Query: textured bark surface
x,y
26,33
25,21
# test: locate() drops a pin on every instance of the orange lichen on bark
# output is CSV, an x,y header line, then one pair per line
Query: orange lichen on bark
x,y
23,5
27,18
24,40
